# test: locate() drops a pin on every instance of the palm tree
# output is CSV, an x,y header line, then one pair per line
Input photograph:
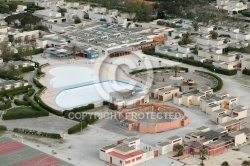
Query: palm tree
x,y
179,149
26,39
74,49
245,163
203,154
225,163
196,26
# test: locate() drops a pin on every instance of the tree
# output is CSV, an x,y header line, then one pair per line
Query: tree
x,y
19,40
214,35
26,39
245,163
203,154
74,49
196,26
185,39
7,53
62,11
179,149
77,20
225,163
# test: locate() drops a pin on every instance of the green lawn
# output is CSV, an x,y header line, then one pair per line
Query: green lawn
x,y
23,112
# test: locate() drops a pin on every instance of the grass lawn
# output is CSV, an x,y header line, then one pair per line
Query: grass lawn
x,y
23,112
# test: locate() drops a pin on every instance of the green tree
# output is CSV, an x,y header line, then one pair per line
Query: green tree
x,y
196,26
179,149
62,11
77,20
74,48
225,163
245,163
203,153
185,39
7,53
214,35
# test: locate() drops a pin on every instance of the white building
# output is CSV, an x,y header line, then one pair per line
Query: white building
x,y
128,152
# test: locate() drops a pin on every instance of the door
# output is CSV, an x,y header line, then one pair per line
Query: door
x,y
160,98
110,160
152,95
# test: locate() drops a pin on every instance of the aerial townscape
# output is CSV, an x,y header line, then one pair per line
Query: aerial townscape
x,y
124,82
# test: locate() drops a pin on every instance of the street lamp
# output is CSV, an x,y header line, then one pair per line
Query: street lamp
x,y
139,62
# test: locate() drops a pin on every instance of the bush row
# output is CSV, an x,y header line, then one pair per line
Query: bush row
x,y
191,62
6,105
246,72
28,69
3,128
16,91
21,102
37,133
88,119
219,80
30,52
39,70
156,68
16,114
78,109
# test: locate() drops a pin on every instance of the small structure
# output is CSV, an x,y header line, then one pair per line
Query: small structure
x,y
12,84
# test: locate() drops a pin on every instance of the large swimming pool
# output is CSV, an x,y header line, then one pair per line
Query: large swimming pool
x,y
78,86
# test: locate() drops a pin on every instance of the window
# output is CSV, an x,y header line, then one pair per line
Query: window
x,y
120,161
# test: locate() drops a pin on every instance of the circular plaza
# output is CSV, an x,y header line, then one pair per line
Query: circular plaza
x,y
152,118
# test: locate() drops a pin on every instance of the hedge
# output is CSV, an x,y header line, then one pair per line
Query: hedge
x,y
16,91
87,120
28,69
24,112
219,80
37,133
78,109
3,128
20,102
77,128
39,70
246,72
156,68
6,105
189,61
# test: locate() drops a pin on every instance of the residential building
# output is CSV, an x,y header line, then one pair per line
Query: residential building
x,y
168,145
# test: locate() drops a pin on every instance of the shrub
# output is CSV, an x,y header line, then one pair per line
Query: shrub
x,y
79,109
219,80
37,133
3,128
24,112
77,128
19,102
28,69
6,105
246,72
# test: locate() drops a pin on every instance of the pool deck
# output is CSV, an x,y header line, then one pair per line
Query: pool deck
x,y
105,71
